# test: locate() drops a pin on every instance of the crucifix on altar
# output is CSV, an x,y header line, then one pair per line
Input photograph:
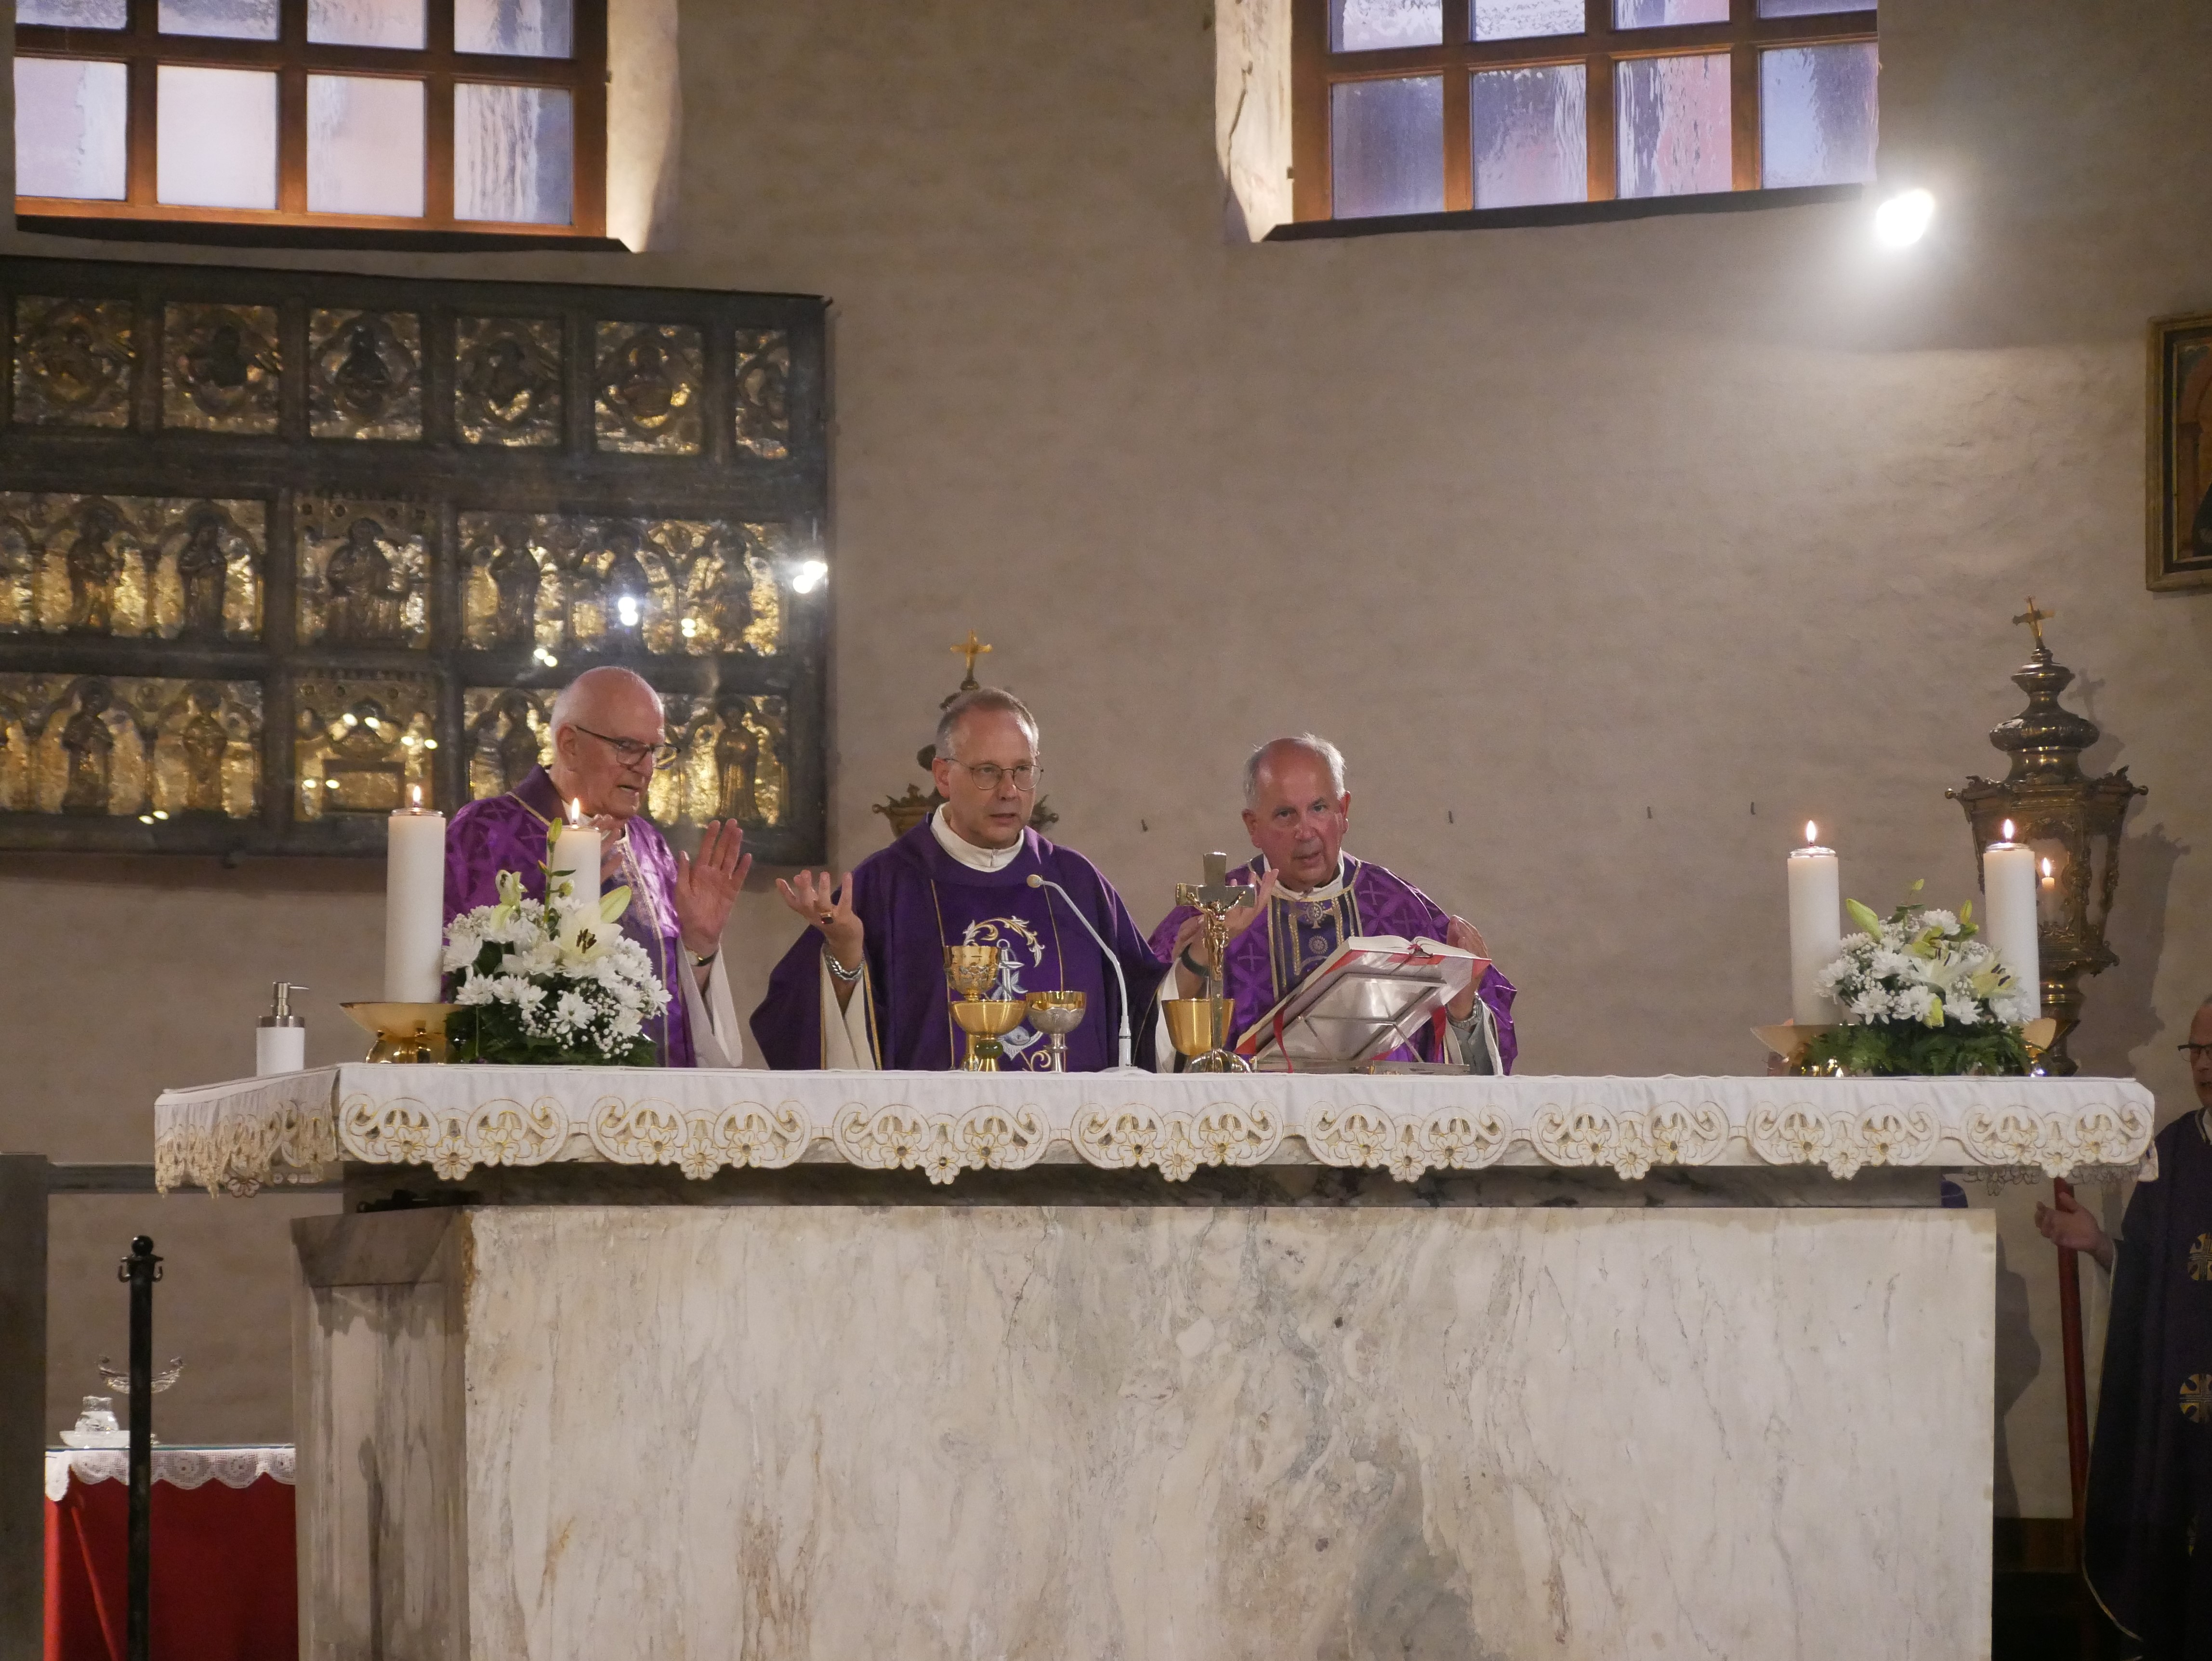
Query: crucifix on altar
x,y
2033,618
1200,1026
971,649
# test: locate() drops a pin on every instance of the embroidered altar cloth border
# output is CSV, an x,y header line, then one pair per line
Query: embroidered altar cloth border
x,y
183,1468
299,1127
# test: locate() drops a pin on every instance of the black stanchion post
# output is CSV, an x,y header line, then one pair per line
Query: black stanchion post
x,y
141,1269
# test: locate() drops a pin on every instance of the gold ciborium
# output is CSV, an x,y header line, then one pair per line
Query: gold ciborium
x,y
1056,1015
405,1031
1200,1028
970,971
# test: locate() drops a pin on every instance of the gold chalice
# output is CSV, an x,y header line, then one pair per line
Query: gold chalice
x,y
1200,1028
405,1031
972,971
1056,1015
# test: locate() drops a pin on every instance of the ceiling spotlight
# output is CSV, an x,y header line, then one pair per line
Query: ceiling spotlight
x,y
808,577
1904,219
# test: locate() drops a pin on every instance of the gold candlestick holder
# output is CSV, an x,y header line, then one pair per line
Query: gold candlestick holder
x,y
1056,1015
970,971
412,1032
1210,1015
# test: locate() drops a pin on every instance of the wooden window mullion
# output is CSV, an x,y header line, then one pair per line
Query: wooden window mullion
x,y
1312,195
1459,125
1598,118
438,150
1743,113
292,141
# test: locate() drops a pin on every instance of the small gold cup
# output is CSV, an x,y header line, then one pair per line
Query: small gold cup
x,y
405,1031
1056,1015
1200,1028
970,971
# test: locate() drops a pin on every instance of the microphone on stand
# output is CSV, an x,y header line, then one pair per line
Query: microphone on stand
x,y
1112,962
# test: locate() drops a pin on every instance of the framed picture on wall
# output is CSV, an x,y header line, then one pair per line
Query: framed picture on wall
x,y
2180,471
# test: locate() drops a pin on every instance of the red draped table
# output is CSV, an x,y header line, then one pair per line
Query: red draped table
x,y
225,1587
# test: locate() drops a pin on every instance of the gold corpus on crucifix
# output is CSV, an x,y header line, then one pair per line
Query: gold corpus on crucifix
x,y
971,649
1201,1027
2033,618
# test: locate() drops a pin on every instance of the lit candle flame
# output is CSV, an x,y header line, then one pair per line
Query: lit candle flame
x,y
2007,834
1812,833
2047,870
418,790
576,811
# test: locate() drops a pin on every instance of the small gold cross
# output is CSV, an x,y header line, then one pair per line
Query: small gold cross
x,y
2196,1398
971,649
2034,620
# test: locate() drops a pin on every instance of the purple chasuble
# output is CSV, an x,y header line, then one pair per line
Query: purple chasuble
x,y
2147,1527
1271,957
913,900
508,833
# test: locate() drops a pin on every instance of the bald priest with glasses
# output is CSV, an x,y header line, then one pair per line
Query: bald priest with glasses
x,y
865,986
608,739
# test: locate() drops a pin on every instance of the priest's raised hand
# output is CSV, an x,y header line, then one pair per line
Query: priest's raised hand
x,y
864,987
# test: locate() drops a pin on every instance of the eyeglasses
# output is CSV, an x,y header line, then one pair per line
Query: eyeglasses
x,y
989,773
2195,1049
629,751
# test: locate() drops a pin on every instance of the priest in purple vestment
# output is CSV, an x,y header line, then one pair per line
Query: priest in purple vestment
x,y
1313,896
865,986
608,736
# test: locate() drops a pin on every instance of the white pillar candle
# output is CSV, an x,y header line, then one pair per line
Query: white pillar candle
x,y
2008,890
576,854
1816,929
414,904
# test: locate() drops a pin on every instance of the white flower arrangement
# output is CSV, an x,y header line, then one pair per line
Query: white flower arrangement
x,y
550,982
1920,992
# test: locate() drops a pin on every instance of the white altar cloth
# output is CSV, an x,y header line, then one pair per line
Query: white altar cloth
x,y
298,1127
179,1467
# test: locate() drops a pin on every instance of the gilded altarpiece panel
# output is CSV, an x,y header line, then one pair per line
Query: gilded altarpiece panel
x,y
279,549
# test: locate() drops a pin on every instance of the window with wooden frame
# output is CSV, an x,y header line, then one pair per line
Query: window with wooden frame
x,y
484,116
1413,106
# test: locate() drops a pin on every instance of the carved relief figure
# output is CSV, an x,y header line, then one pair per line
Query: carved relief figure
x,y
365,592
509,380
73,364
515,575
763,416
206,743
737,766
90,748
504,733
203,570
649,388
624,578
731,602
95,567
221,367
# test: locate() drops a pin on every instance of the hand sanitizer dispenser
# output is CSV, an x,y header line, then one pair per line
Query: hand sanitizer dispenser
x,y
280,1041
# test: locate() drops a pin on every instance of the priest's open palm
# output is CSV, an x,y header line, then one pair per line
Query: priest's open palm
x,y
828,906
1466,937
706,885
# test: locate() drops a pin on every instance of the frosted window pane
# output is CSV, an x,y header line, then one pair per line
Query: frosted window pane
x,y
1810,8
512,158
1379,25
1387,143
1816,114
366,24
1671,125
1517,20
75,13
1666,14
1531,136
215,138
238,20
69,128
364,145
517,28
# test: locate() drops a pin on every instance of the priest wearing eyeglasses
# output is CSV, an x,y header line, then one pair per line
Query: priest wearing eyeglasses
x,y
865,985
609,736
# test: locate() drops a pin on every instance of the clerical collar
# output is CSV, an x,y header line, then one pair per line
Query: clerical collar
x,y
975,858
1327,891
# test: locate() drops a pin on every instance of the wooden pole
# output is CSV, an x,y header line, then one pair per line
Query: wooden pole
x,y
141,1269
2077,1383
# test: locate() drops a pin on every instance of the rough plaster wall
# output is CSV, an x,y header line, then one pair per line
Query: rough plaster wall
x,y
1580,540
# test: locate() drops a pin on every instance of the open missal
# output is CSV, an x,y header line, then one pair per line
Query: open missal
x,y
1369,1000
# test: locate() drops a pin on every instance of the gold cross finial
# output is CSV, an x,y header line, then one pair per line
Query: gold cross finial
x,y
971,649
2035,620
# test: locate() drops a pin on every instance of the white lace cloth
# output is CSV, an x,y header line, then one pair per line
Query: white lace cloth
x,y
182,1468
297,1128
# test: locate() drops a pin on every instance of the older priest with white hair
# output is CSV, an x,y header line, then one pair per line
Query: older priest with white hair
x,y
1313,896
865,986
608,736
